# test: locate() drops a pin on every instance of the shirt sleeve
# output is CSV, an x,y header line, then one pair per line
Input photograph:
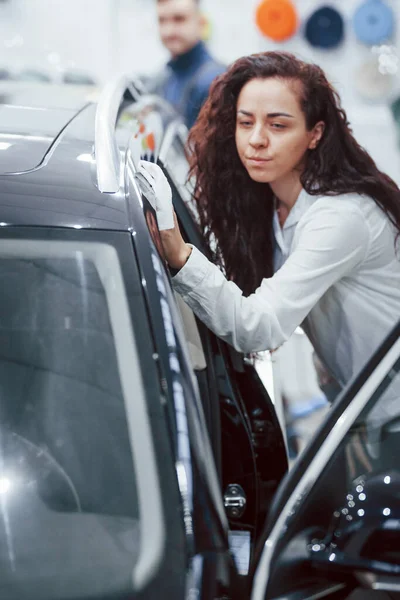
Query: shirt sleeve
x,y
331,243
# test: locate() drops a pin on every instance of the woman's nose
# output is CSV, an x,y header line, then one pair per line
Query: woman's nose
x,y
259,138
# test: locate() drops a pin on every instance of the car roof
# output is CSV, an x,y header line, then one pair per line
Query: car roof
x,y
31,117
47,168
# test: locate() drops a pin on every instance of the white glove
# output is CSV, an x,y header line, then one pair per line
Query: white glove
x,y
162,192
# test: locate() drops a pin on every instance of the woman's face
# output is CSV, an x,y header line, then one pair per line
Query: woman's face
x,y
271,135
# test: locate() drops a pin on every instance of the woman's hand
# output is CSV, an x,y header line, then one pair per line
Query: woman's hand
x,y
176,250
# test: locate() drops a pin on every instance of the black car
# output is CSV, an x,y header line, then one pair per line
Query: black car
x,y
139,455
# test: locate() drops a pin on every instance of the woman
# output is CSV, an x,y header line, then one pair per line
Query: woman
x,y
304,224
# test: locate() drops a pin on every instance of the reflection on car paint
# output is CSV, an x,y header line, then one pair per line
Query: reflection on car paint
x,y
183,465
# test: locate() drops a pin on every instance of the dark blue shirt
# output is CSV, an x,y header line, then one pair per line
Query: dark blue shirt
x,y
188,81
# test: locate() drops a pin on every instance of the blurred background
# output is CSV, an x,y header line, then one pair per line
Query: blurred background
x,y
356,42
92,40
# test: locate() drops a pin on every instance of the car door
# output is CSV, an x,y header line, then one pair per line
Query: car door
x,y
243,425
334,529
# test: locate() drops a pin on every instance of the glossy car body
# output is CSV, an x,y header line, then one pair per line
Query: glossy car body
x,y
141,386
137,450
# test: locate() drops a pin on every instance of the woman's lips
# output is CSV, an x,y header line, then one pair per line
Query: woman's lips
x,y
259,161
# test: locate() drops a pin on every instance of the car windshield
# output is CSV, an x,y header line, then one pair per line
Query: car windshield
x,y
69,515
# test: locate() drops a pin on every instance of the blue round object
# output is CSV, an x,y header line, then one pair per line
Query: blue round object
x,y
325,28
373,22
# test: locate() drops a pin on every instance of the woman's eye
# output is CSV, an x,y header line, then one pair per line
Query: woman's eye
x,y
278,126
245,123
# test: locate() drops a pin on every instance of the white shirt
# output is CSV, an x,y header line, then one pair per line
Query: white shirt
x,y
337,275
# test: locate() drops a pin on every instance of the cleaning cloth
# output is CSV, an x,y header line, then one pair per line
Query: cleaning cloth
x,y
161,199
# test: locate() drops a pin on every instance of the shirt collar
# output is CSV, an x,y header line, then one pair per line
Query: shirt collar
x,y
190,59
300,207
278,234
283,236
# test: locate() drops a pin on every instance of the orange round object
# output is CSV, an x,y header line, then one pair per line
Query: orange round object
x,y
151,142
277,19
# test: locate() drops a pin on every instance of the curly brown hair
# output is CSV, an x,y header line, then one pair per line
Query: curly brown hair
x,y
235,212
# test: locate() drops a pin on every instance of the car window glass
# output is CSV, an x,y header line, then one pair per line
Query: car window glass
x,y
69,507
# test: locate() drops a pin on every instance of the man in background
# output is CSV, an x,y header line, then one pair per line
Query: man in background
x,y
187,77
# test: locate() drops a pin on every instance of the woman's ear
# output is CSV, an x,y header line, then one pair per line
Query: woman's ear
x,y
317,133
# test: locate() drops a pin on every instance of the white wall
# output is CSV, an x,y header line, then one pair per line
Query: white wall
x,y
55,34
109,36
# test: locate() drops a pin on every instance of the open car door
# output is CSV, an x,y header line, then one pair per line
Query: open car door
x,y
334,528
